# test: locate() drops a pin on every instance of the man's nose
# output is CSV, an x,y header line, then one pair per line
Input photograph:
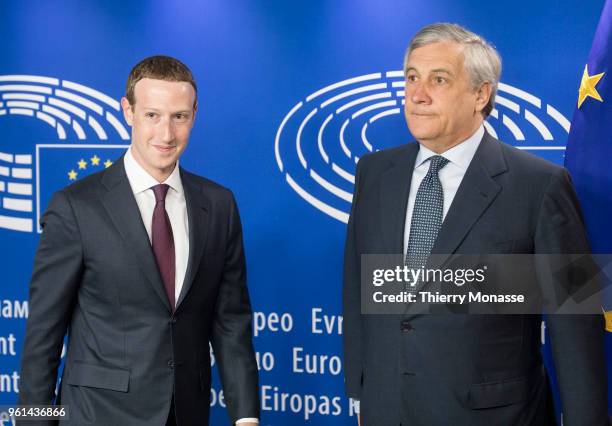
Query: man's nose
x,y
167,131
419,94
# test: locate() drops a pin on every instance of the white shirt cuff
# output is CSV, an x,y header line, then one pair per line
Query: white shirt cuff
x,y
247,420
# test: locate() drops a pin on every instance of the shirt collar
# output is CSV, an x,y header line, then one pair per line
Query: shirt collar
x,y
461,154
140,180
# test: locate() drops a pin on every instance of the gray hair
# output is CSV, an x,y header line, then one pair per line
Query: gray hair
x,y
482,62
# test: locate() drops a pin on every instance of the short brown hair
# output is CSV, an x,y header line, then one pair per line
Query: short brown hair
x,y
158,68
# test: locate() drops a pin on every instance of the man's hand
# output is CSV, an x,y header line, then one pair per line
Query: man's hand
x,y
247,424
358,419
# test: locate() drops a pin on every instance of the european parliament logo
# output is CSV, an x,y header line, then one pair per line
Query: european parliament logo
x,y
320,140
56,117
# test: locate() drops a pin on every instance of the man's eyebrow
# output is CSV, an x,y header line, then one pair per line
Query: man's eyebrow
x,y
182,111
434,71
441,70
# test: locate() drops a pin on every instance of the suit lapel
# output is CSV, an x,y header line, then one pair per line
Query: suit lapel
x,y
197,214
122,208
476,192
394,190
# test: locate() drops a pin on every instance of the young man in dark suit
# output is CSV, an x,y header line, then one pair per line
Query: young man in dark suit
x,y
142,265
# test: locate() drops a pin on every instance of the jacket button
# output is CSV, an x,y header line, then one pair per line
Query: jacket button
x,y
405,327
173,320
171,365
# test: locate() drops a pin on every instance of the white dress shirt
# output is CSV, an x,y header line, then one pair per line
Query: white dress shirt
x,y
176,206
459,158
141,183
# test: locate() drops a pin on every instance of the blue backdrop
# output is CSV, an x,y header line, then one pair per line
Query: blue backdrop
x,y
290,95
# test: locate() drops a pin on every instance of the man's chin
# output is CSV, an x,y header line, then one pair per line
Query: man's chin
x,y
422,134
166,157
165,166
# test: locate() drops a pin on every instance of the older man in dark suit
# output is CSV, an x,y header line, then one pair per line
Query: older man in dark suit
x,y
459,190
142,265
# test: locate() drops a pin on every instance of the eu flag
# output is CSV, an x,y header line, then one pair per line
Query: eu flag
x,y
60,165
589,147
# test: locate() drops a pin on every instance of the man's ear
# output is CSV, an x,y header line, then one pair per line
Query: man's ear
x,y
483,94
195,110
128,113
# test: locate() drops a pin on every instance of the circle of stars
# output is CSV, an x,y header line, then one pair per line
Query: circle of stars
x,y
82,164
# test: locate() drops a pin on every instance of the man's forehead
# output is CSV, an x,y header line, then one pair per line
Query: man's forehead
x,y
446,55
152,91
148,85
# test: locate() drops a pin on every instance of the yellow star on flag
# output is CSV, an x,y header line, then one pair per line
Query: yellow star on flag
x,y
587,86
82,164
108,163
95,160
608,316
72,175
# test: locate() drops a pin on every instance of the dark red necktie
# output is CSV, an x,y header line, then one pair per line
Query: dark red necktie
x,y
163,241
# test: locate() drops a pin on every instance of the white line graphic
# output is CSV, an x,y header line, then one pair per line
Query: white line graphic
x,y
320,139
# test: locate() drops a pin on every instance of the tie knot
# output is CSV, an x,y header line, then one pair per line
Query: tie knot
x,y
436,163
160,192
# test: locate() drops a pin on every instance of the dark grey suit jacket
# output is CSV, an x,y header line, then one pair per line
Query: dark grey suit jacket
x,y
95,277
470,369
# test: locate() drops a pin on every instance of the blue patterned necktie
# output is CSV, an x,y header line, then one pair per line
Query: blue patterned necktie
x,y
426,215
